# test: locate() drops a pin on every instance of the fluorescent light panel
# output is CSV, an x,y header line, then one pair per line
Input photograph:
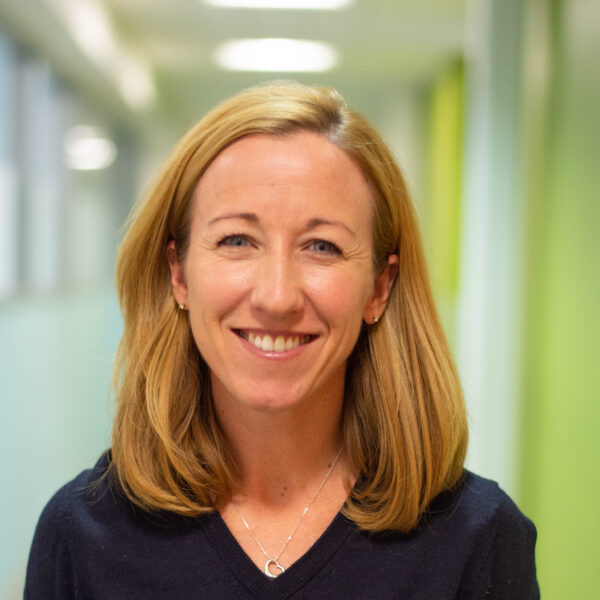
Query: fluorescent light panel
x,y
90,27
276,55
134,82
88,148
89,24
282,4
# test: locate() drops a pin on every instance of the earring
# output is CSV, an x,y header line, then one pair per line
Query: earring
x,y
182,307
375,319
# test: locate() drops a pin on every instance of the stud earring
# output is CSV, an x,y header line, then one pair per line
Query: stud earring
x,y
375,319
182,307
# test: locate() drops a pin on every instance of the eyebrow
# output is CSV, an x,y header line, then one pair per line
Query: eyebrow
x,y
253,218
317,221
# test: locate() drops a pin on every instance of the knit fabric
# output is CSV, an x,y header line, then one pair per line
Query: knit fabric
x,y
91,543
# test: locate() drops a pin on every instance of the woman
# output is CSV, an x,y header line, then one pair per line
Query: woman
x,y
289,422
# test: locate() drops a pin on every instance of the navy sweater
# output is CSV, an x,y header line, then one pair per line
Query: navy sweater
x,y
92,543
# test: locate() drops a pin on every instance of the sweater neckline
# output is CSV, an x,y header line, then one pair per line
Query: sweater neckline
x,y
294,578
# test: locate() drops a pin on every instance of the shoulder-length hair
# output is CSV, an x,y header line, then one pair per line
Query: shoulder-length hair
x,y
404,424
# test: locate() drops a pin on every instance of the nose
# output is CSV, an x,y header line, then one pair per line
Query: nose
x,y
277,289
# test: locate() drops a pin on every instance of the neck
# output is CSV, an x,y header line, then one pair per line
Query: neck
x,y
276,479
291,486
284,454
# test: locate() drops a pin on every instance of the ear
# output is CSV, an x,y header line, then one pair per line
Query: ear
x,y
178,283
382,286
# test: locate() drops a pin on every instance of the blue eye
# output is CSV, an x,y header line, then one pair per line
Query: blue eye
x,y
234,241
325,247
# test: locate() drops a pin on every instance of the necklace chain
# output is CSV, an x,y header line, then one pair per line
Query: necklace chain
x,y
275,561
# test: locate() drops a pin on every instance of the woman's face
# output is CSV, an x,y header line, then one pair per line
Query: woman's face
x,y
278,275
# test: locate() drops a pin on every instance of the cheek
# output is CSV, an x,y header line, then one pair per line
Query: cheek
x,y
215,290
341,295
215,287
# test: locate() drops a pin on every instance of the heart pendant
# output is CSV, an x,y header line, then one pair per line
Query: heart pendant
x,y
273,561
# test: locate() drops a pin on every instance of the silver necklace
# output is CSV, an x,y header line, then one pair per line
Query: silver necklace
x,y
275,561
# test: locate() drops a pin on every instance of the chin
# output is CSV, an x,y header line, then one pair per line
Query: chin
x,y
272,402
275,394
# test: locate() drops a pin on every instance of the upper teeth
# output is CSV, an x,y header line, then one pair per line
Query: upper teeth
x,y
280,343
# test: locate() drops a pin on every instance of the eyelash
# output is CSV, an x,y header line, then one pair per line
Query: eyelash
x,y
331,248
236,236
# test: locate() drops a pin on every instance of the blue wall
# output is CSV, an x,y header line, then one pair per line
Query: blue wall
x,y
56,357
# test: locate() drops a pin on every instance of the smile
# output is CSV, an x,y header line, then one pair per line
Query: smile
x,y
274,343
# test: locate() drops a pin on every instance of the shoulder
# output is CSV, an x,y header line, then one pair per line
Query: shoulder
x,y
481,523
472,542
477,502
69,499
93,509
477,513
79,495
50,565
92,542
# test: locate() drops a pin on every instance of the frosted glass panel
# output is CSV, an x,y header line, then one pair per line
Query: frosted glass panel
x,y
55,370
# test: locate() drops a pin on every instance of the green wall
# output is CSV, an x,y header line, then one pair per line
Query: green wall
x,y
442,213
556,104
561,425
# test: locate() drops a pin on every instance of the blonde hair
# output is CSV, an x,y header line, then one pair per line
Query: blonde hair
x,y
404,424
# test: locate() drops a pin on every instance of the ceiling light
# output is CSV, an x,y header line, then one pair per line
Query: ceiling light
x,y
88,149
282,4
89,24
276,54
135,82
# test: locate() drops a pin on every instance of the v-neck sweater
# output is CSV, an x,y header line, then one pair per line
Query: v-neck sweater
x,y
91,543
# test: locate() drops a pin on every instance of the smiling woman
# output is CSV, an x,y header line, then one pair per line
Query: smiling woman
x,y
290,423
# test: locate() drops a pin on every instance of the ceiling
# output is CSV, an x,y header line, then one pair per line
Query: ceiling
x,y
384,45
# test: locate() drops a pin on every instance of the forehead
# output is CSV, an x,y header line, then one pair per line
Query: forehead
x,y
304,169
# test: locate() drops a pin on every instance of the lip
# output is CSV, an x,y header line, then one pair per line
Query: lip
x,y
274,343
